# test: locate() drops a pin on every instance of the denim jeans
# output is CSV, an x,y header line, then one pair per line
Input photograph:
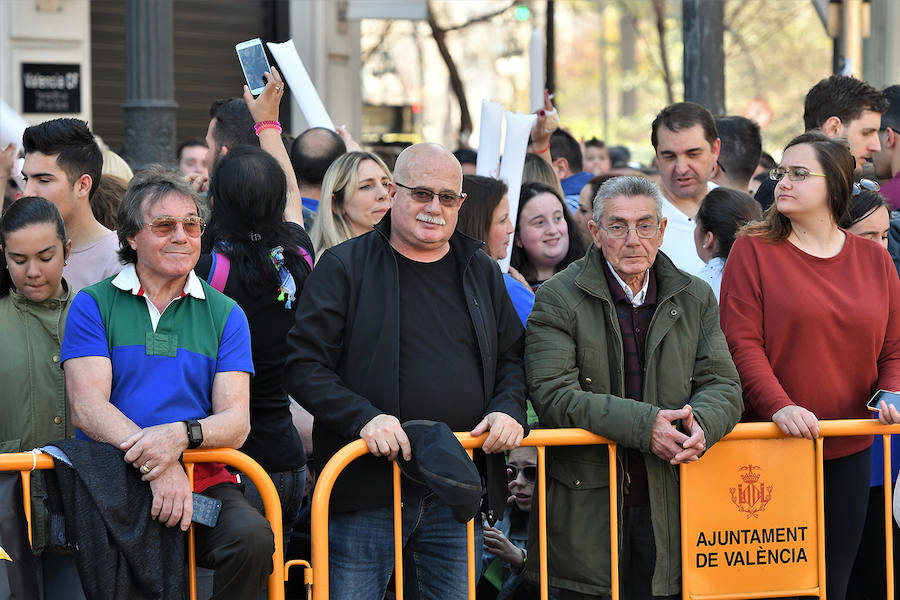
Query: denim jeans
x,y
361,551
290,486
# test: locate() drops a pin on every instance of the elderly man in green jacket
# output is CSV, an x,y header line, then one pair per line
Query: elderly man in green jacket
x,y
627,346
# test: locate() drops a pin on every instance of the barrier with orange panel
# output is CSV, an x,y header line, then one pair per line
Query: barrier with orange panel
x,y
752,514
25,462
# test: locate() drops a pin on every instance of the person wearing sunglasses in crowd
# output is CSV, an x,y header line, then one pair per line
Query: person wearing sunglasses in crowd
x,y
869,213
158,361
812,319
505,542
868,217
408,321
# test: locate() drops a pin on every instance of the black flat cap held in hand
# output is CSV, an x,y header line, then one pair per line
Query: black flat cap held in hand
x,y
441,463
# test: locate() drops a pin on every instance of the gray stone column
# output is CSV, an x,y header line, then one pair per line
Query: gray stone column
x,y
150,105
704,53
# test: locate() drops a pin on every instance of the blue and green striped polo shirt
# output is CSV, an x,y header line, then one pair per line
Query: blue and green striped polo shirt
x,y
166,375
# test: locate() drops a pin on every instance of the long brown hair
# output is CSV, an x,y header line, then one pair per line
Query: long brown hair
x,y
838,165
476,214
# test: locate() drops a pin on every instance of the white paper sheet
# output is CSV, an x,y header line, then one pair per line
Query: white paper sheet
x,y
518,127
300,84
488,163
536,56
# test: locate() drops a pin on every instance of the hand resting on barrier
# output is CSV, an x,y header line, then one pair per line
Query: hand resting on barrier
x,y
672,445
797,421
505,432
385,437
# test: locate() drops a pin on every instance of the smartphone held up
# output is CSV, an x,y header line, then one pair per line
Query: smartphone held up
x,y
254,63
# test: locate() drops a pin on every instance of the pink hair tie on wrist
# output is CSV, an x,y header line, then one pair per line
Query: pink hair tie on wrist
x,y
261,125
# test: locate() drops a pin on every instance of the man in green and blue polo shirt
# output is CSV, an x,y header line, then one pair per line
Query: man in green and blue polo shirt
x,y
157,362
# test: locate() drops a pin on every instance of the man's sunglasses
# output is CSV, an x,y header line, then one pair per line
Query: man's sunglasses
x,y
163,226
424,195
529,472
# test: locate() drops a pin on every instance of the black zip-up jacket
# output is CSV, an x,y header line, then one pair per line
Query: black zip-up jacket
x,y
344,348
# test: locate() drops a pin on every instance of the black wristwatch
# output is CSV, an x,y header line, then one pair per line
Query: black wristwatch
x,y
194,433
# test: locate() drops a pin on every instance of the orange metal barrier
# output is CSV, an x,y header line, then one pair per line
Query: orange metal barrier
x,y
578,437
24,462
539,438
770,431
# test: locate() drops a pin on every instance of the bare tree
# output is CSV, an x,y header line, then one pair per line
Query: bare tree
x,y
456,83
659,7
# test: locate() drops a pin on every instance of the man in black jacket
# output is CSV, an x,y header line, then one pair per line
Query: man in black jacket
x,y
410,321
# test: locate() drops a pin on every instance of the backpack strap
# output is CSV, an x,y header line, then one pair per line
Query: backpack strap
x,y
218,271
305,256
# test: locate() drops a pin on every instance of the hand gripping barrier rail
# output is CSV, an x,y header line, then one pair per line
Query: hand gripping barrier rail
x,y
539,438
544,438
316,576
24,462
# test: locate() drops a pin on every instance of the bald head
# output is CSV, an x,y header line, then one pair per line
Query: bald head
x,y
313,152
427,157
425,201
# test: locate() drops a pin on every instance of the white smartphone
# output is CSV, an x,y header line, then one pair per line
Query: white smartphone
x,y
889,398
254,63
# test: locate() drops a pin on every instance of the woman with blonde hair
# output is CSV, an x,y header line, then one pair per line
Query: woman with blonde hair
x,y
354,198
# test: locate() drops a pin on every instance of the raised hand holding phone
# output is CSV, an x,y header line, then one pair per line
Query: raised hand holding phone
x,y
264,107
254,63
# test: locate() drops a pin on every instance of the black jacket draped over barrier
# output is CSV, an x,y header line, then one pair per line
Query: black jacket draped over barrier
x,y
122,552
345,345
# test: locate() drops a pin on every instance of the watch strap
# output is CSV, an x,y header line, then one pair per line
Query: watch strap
x,y
194,433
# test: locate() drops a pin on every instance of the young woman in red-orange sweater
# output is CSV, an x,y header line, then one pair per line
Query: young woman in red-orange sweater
x,y
811,313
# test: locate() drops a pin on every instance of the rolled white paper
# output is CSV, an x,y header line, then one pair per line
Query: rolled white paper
x,y
518,127
301,85
536,54
488,162
12,127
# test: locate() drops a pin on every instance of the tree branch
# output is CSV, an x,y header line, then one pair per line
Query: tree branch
x,y
481,19
465,118
660,7
384,34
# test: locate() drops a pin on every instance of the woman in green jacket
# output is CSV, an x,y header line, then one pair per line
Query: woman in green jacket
x,y
33,303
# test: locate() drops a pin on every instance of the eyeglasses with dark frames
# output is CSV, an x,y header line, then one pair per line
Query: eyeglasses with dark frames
x,y
528,471
644,230
163,226
425,195
794,173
